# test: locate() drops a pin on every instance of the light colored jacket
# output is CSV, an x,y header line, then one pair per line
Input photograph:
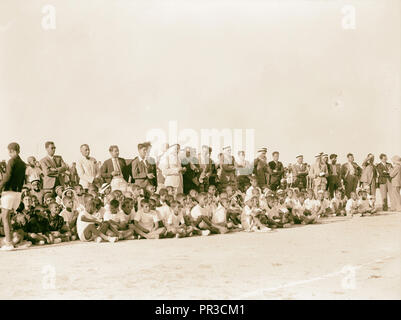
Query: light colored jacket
x,y
395,174
369,172
49,178
170,165
87,170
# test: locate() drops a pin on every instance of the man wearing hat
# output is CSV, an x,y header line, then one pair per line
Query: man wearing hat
x,y
334,177
207,169
369,174
350,173
261,169
300,170
318,173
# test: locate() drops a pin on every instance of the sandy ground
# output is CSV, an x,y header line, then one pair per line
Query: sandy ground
x,y
342,258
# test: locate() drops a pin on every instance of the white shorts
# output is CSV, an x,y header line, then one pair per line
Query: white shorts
x,y
10,200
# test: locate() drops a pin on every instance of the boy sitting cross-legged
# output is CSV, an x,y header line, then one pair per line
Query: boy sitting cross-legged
x,y
89,228
202,217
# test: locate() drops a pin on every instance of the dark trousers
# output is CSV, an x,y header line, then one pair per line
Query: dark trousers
x,y
333,184
350,183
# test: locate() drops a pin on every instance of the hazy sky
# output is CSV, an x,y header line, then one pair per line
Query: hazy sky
x,y
112,70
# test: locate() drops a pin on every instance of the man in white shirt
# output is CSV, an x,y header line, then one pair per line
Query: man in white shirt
x,y
87,168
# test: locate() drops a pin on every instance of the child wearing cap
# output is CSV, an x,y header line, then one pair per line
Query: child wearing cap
x,y
59,195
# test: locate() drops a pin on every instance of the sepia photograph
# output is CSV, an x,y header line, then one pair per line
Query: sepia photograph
x,y
200,150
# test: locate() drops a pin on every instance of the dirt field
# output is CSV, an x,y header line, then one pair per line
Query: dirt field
x,y
342,258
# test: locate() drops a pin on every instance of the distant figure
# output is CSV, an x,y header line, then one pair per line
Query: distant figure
x,y
395,174
384,180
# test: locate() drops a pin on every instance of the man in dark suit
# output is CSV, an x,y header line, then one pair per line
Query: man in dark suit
x,y
114,167
260,168
143,169
384,181
350,173
10,188
276,171
334,177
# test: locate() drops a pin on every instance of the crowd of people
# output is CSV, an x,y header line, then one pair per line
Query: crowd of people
x,y
181,193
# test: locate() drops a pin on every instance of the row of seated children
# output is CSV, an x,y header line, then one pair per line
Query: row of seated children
x,y
106,215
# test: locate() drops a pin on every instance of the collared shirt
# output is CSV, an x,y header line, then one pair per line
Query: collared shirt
x,y
116,165
334,168
351,169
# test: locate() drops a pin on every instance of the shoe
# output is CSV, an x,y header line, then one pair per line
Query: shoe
x,y
112,239
8,247
98,240
131,238
24,244
73,238
41,242
205,232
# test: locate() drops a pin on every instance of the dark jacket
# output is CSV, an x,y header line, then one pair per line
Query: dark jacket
x,y
275,177
384,172
14,178
107,168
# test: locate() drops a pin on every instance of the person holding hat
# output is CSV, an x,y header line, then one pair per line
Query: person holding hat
x,y
300,171
384,181
318,173
369,174
334,177
350,173
261,169
276,171
395,175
